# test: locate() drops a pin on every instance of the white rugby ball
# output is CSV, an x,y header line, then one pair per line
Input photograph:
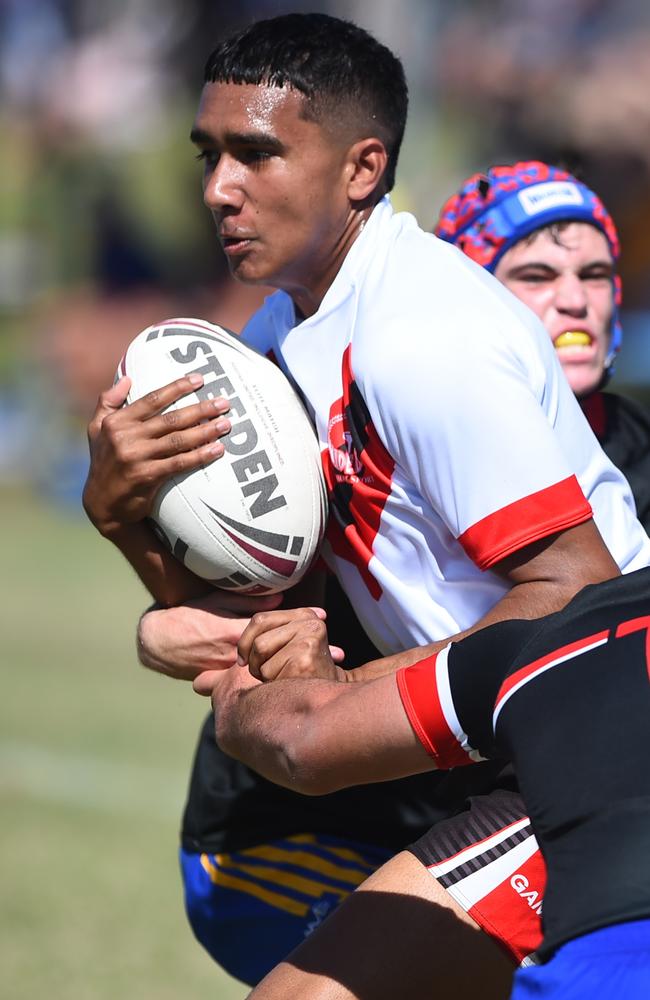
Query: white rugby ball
x,y
252,520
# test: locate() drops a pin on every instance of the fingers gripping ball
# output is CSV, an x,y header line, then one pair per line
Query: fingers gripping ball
x,y
252,520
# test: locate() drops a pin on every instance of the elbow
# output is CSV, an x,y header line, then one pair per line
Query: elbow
x,y
308,768
289,759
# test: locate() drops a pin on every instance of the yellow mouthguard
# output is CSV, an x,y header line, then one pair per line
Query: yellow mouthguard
x,y
573,338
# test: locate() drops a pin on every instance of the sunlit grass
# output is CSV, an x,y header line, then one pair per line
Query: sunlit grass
x,y
94,759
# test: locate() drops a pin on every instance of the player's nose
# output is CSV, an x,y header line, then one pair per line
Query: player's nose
x,y
570,295
222,186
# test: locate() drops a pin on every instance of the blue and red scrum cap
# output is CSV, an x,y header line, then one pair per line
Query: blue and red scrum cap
x,y
493,211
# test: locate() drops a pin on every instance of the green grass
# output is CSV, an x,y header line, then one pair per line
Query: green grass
x,y
94,760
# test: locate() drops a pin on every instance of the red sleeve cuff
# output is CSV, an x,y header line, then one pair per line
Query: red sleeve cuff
x,y
438,734
518,524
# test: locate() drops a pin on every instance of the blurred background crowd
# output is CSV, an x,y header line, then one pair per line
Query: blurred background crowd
x,y
102,230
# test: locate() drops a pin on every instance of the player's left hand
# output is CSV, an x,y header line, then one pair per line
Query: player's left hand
x,y
198,636
289,643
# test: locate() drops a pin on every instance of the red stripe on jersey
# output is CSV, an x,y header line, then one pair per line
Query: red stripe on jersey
x,y
510,913
418,690
516,525
545,663
358,472
637,625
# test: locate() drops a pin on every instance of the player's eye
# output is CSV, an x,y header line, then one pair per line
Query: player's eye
x,y
208,156
597,274
254,157
534,277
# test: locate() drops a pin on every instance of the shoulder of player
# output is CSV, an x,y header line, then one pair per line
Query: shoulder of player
x,y
429,297
424,328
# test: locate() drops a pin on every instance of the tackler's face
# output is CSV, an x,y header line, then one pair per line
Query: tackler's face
x,y
274,181
567,280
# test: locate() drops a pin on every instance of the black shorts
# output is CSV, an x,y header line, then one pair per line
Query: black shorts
x,y
488,861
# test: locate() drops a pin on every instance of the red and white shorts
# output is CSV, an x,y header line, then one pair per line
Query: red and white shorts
x,y
488,860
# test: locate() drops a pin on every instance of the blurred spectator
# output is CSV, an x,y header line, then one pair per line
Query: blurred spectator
x,y
566,81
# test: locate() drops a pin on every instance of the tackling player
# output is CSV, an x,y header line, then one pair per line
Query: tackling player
x,y
412,361
565,697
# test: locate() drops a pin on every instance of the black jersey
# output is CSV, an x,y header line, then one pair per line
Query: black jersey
x,y
229,807
567,698
622,427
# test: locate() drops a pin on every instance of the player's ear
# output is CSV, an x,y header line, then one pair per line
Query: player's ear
x,y
367,161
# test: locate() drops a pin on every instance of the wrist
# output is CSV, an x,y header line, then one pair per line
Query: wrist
x,y
123,535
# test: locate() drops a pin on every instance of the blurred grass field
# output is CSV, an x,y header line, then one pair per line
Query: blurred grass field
x,y
94,760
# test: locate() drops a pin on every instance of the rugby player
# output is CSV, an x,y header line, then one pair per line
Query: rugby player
x,y
412,361
551,241
566,697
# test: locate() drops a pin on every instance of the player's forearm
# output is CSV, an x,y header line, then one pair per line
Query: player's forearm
x,y
527,601
317,736
168,581
375,669
274,729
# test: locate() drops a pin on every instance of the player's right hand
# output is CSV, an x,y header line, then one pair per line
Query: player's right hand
x,y
290,642
135,448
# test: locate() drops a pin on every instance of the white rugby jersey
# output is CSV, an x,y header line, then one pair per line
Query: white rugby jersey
x,y
449,435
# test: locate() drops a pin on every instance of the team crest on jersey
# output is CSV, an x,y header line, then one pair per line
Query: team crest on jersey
x,y
358,472
343,454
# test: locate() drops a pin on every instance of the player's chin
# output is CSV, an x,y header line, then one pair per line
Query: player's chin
x,y
249,270
583,378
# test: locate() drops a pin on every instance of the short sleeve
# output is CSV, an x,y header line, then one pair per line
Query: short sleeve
x,y
472,426
449,697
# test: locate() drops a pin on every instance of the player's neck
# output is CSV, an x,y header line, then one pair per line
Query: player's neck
x,y
308,296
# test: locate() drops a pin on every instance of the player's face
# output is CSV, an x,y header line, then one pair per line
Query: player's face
x,y
569,286
276,186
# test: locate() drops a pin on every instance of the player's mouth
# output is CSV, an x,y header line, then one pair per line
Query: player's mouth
x,y
235,244
574,342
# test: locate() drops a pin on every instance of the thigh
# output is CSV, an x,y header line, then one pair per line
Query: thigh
x,y
399,935
250,908
488,860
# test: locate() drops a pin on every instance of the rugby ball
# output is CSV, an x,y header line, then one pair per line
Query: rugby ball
x,y
252,520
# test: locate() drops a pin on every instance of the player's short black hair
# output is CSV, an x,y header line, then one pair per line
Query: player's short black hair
x,y
338,66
